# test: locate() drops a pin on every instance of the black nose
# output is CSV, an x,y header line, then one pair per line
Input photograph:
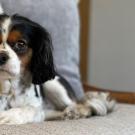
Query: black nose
x,y
3,58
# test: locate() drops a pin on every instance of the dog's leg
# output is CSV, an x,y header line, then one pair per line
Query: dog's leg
x,y
75,111
22,115
53,115
93,104
57,94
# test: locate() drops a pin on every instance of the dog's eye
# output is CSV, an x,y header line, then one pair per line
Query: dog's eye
x,y
20,46
20,43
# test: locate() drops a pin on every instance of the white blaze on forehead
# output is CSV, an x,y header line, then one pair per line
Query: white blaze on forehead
x,y
5,29
12,66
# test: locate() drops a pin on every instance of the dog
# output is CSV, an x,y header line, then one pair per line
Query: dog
x,y
30,88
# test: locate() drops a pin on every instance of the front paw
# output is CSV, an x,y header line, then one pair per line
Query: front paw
x,y
9,119
76,111
17,116
100,102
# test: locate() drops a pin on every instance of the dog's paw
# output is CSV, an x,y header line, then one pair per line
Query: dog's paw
x,y
71,112
9,119
76,111
100,102
18,116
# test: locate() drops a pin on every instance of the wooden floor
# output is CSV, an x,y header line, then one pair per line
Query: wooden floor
x,y
122,97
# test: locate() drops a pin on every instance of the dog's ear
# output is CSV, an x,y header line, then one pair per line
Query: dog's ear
x,y
42,66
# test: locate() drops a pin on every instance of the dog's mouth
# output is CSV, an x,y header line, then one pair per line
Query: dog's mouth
x,y
5,74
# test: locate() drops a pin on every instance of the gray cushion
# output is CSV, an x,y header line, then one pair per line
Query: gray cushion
x,y
60,18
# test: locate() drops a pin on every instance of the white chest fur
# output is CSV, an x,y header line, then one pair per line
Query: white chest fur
x,y
14,95
28,97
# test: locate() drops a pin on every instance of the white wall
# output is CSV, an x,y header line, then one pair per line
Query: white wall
x,y
112,44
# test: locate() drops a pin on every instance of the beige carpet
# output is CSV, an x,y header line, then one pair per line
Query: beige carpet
x,y
120,122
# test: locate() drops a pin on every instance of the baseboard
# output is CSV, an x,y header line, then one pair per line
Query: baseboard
x,y
122,97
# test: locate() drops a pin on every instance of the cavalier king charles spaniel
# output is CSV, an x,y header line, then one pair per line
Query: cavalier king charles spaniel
x,y
30,89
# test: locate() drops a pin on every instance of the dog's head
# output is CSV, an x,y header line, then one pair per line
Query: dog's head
x,y
25,46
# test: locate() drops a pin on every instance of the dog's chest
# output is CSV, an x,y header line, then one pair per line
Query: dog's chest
x,y
19,97
27,97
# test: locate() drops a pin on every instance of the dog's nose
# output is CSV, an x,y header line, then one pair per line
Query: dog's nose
x,y
3,58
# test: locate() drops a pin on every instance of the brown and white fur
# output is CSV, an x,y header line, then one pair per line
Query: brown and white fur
x,y
30,89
